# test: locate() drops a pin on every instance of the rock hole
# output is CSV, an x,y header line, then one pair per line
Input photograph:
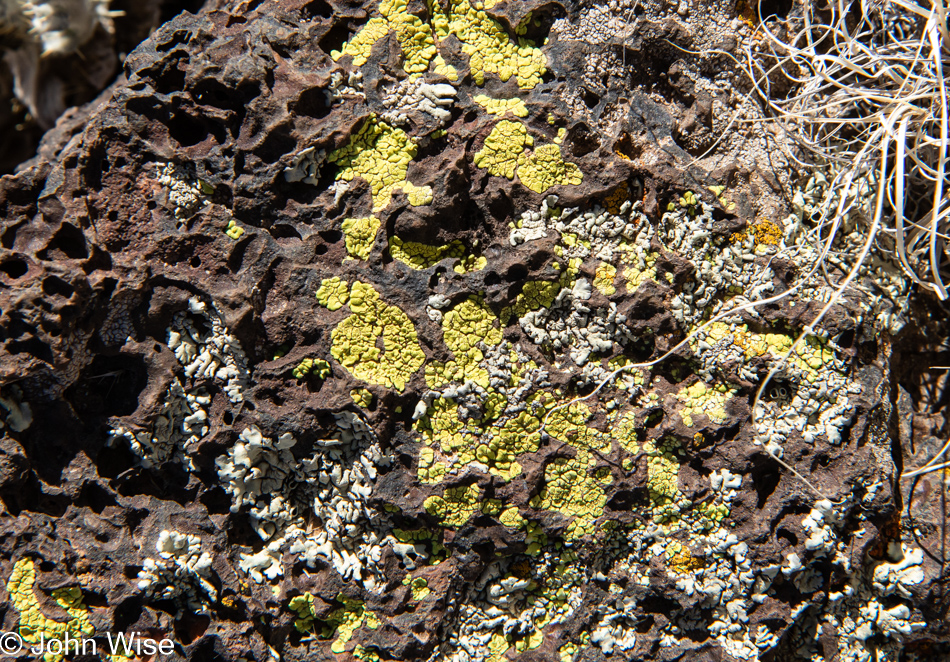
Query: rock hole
x,y
236,259
186,130
53,286
284,231
216,500
14,268
769,8
315,9
195,262
109,386
189,629
335,37
96,498
582,140
516,273
8,238
492,278
68,243
99,261
765,483
331,236
312,103
34,347
784,534
321,249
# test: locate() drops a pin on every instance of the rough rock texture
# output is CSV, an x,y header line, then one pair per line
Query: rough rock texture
x,y
60,53
293,320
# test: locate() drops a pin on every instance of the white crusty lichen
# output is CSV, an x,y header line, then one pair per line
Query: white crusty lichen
x,y
572,325
305,166
181,422
204,346
182,572
185,192
315,506
18,416
501,610
415,96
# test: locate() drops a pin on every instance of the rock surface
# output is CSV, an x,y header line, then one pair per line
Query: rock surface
x,y
296,319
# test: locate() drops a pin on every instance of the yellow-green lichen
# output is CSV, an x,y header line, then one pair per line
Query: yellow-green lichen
x,y
604,278
33,625
333,293
512,518
544,168
504,148
418,586
572,490
343,621
430,472
360,236
355,341
365,654
470,263
361,397
537,294
234,230
642,268
487,44
414,37
501,106
666,500
569,425
505,152
483,39
465,327
455,506
317,367
703,399
380,154
718,192
423,256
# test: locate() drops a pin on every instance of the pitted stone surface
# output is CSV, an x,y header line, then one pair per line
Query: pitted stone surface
x,y
293,327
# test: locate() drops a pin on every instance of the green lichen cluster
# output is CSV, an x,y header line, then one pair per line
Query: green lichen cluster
x,y
414,37
418,586
360,235
355,340
422,256
700,398
234,230
666,500
487,44
573,488
343,621
361,397
380,154
537,294
317,367
500,107
437,551
33,625
483,39
810,356
505,153
455,506
604,278
466,327
333,293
